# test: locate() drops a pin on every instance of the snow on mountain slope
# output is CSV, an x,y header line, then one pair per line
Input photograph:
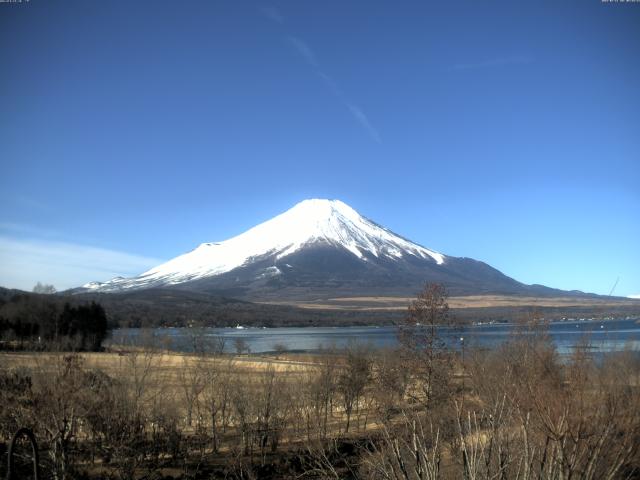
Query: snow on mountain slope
x,y
307,223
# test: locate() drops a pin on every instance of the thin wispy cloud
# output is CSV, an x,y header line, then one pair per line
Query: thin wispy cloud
x,y
494,62
304,50
331,84
309,56
273,14
362,118
65,265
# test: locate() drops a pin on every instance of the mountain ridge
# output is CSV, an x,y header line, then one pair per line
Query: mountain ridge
x,y
319,249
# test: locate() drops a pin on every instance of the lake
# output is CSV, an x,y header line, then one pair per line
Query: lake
x,y
602,336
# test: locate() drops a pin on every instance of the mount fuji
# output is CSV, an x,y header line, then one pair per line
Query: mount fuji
x,y
318,249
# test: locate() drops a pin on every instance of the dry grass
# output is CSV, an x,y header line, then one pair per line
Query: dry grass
x,y
170,363
470,301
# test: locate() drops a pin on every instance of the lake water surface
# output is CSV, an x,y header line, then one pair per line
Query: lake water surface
x,y
601,336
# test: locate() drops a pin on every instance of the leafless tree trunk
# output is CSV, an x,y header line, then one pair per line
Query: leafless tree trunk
x,y
353,378
422,346
191,381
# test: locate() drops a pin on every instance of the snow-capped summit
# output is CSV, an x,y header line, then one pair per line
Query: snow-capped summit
x,y
318,249
330,221
314,222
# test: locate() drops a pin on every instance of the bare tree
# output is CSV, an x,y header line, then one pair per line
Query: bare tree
x,y
323,389
422,346
58,387
280,349
353,378
192,382
240,398
391,380
406,451
272,405
217,381
241,346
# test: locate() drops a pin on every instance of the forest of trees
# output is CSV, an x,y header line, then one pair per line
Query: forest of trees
x,y
43,322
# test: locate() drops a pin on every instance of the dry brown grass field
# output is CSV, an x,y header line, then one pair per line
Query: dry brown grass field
x,y
170,363
461,302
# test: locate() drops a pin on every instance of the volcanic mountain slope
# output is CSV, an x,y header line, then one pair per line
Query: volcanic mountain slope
x,y
319,249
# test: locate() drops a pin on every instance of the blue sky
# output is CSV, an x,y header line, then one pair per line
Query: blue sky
x,y
505,131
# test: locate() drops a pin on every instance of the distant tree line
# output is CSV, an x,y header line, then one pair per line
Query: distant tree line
x,y
45,323
176,308
154,307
